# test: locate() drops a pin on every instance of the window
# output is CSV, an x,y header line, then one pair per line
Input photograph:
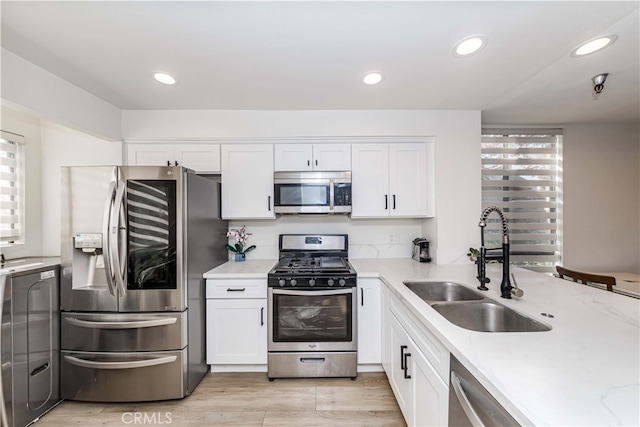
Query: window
x,y
521,174
11,189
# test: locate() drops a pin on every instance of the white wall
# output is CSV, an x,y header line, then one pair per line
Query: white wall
x,y
602,197
48,147
457,174
62,146
46,95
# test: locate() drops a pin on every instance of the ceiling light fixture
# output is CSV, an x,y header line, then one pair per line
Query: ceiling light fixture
x,y
372,78
469,45
164,78
593,45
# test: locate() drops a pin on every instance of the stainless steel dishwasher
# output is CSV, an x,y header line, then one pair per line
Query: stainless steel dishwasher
x,y
29,345
470,404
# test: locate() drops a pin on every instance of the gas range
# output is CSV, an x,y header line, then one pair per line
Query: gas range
x,y
313,261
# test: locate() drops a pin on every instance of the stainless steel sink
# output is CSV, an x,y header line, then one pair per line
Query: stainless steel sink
x,y
470,309
488,316
431,291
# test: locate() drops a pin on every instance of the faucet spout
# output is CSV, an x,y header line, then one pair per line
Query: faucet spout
x,y
505,286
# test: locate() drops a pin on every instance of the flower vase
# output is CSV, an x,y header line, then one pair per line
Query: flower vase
x,y
240,257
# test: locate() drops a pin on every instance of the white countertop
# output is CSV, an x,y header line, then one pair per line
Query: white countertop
x,y
250,269
585,371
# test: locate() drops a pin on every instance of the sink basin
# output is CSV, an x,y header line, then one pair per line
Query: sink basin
x,y
488,316
442,291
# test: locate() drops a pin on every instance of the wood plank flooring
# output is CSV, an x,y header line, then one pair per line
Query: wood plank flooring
x,y
247,400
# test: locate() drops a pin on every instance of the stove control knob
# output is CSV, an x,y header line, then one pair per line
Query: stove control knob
x,y
293,282
281,282
312,282
341,282
330,282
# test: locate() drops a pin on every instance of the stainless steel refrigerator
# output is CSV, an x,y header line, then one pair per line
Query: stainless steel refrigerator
x,y
135,243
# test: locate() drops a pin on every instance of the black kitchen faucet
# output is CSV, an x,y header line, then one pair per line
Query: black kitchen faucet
x,y
505,286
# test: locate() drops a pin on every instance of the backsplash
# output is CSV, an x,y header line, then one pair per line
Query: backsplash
x,y
368,238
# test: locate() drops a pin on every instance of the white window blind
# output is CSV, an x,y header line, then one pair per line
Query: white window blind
x,y
11,189
521,174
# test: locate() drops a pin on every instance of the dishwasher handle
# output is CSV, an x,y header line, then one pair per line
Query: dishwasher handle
x,y
467,407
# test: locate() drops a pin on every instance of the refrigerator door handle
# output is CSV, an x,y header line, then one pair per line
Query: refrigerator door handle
x,y
115,229
120,365
106,241
121,325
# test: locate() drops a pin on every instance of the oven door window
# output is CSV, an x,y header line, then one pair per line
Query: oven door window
x,y
312,318
302,195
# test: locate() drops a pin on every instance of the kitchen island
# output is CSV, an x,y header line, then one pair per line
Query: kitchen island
x,y
584,371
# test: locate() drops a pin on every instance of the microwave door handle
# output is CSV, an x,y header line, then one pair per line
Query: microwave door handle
x,y
331,195
115,232
106,241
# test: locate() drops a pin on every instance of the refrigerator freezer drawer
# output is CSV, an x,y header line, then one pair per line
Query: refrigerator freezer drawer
x,y
123,377
124,332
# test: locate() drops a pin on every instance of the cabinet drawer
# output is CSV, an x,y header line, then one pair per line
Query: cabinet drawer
x,y
236,288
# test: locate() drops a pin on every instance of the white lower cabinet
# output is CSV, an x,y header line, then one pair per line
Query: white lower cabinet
x,y
369,321
421,391
236,322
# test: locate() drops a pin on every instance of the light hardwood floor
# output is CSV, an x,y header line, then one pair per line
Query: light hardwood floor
x,y
247,400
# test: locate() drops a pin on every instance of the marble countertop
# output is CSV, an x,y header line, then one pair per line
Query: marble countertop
x,y
254,268
585,371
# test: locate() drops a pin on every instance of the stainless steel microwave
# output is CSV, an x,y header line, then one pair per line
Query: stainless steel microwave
x,y
312,192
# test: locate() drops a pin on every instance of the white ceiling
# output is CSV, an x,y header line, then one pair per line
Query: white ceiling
x,y
304,55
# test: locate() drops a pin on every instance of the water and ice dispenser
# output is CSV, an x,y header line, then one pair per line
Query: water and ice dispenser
x,y
87,260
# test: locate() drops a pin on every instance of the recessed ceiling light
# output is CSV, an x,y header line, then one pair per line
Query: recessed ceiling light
x,y
372,78
592,46
469,45
164,78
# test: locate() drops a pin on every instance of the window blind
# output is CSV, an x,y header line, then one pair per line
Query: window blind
x,y
521,174
11,189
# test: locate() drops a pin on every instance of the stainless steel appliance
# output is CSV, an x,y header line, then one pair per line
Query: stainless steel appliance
x,y
29,345
135,243
312,192
470,404
421,250
312,309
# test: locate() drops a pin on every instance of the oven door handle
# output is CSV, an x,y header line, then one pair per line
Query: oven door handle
x,y
320,293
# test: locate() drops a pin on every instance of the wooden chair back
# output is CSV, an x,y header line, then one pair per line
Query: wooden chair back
x,y
586,278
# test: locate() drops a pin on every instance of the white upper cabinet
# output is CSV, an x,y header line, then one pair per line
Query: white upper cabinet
x,y
312,157
392,180
202,158
247,181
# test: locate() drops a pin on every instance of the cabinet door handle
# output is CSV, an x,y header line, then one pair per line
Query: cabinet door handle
x,y
308,162
168,163
386,202
402,358
316,163
269,203
177,164
261,316
362,297
394,201
236,289
406,365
